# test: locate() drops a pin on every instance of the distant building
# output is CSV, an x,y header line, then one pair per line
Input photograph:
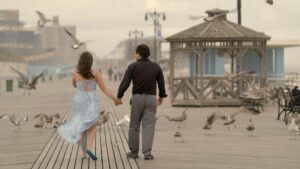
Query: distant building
x,y
41,47
9,79
12,15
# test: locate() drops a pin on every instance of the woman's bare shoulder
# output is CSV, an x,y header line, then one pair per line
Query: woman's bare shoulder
x,y
95,72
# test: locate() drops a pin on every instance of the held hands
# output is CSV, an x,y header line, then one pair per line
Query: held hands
x,y
117,101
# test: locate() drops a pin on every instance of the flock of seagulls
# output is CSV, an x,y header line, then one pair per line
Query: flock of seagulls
x,y
230,119
47,121
42,21
44,120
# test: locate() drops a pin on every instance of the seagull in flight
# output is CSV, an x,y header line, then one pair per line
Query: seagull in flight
x,y
230,118
42,19
77,43
125,120
28,85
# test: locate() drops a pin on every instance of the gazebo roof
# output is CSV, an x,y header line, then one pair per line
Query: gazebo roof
x,y
217,28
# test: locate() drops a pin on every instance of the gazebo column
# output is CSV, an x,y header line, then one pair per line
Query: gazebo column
x,y
200,60
241,54
263,67
171,78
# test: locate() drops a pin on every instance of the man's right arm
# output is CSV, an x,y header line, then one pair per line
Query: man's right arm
x,y
125,82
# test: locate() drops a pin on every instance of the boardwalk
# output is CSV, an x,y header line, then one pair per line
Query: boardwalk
x,y
270,148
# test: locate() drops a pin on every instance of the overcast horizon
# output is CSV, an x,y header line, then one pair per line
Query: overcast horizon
x,y
108,21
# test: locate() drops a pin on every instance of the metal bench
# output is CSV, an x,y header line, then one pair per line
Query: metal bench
x,y
286,103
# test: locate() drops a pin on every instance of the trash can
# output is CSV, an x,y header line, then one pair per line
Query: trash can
x,y
9,85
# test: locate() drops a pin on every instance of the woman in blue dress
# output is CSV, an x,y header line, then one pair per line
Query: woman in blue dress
x,y
81,127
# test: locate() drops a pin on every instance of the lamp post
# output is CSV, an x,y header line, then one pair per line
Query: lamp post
x,y
239,9
156,16
135,33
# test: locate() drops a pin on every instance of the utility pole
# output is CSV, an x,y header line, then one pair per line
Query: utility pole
x,y
155,16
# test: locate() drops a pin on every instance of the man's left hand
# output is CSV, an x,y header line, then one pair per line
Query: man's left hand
x,y
159,101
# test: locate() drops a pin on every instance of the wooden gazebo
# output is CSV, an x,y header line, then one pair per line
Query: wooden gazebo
x,y
228,38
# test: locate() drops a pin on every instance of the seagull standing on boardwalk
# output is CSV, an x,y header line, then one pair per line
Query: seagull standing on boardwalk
x,y
17,122
177,134
250,128
179,119
43,120
42,19
104,116
27,84
77,43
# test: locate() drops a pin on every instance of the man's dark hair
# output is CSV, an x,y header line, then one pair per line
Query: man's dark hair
x,y
143,50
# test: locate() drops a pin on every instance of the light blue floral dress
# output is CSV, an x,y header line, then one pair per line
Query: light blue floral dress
x,y
85,111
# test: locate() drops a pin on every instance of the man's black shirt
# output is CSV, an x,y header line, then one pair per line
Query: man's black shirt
x,y
144,75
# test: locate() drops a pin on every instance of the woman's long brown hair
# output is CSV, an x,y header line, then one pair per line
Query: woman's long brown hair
x,y
85,64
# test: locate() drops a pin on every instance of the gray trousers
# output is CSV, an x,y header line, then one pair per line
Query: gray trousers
x,y
143,110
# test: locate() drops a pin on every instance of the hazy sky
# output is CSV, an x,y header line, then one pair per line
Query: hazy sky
x,y
109,21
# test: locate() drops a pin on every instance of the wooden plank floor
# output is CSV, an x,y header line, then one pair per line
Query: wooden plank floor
x,y
110,146
270,148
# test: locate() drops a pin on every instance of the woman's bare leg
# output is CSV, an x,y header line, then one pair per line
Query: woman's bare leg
x,y
80,144
91,132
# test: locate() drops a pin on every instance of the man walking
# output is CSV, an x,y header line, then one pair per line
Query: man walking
x,y
144,74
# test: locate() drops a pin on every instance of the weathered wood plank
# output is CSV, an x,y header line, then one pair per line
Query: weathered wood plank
x,y
121,149
67,157
44,152
115,145
78,160
132,162
55,154
49,153
104,150
111,153
72,161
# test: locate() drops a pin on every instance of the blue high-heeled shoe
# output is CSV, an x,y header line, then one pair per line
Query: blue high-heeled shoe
x,y
92,155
